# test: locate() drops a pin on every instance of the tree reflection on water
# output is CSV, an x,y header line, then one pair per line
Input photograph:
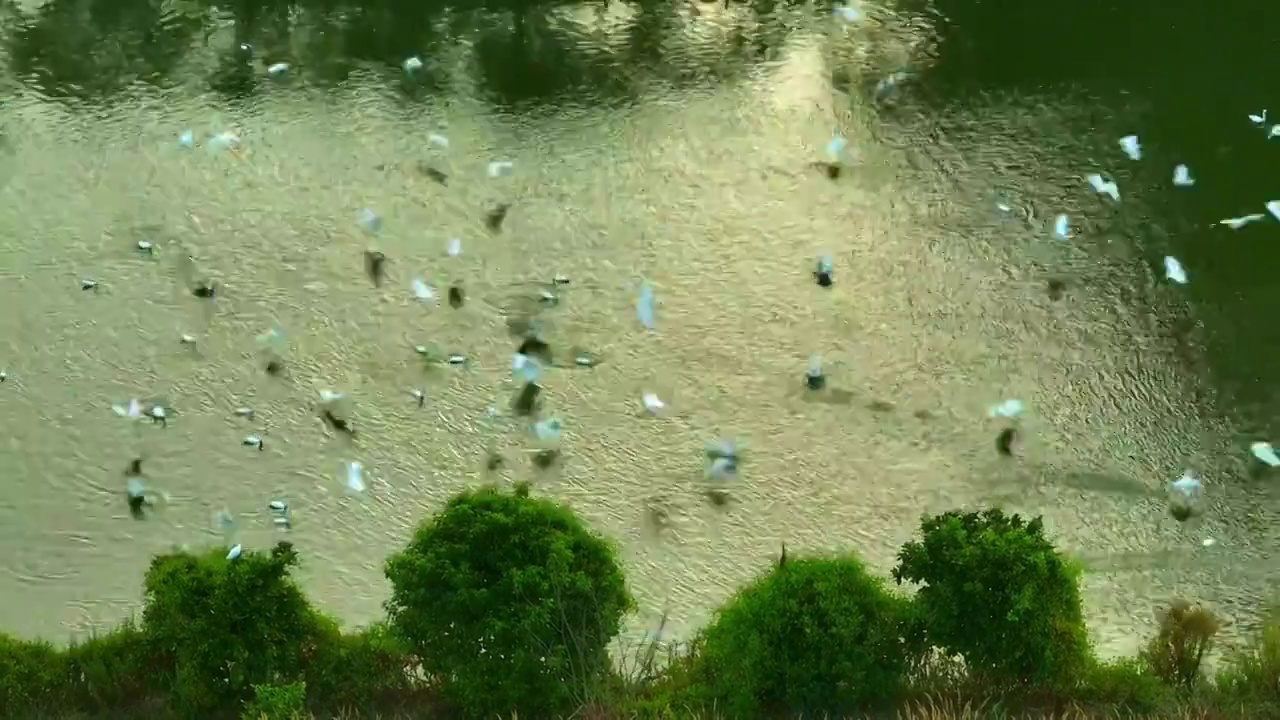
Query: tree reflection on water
x,y
517,53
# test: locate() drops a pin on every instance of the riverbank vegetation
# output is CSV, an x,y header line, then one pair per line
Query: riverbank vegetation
x,y
506,605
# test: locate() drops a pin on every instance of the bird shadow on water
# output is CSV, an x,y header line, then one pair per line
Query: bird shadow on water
x,y
1096,481
1018,488
1169,558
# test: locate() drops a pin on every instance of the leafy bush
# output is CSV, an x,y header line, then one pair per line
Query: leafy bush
x,y
818,636
112,671
1127,685
997,593
1251,678
368,669
221,626
32,677
277,702
509,602
1184,637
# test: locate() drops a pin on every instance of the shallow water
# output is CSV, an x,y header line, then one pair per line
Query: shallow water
x,y
696,182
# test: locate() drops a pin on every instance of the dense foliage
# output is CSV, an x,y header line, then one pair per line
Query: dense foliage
x,y
510,600
997,593
234,639
815,635
220,626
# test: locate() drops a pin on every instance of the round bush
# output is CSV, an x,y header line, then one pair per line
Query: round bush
x,y
817,636
997,593
222,626
509,601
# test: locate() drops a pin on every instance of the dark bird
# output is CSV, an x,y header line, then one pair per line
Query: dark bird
x,y
526,401
1004,441
718,497
1056,288
275,368
456,296
432,173
134,469
545,458
832,170
493,219
535,347
814,379
493,460
374,266
205,289
338,424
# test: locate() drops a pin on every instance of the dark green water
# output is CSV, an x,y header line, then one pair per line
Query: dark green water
x,y
1184,76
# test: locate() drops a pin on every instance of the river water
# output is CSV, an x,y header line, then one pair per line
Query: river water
x,y
667,143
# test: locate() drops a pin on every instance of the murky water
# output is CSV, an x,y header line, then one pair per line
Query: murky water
x,y
698,183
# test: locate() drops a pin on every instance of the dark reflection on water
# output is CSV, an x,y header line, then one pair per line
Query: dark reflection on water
x,y
1184,76
95,47
522,53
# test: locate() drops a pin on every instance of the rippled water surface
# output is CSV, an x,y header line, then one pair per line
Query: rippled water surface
x,y
670,144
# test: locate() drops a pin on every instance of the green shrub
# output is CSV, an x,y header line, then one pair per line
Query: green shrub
x,y
221,626
366,670
277,702
665,691
818,636
997,593
32,677
509,602
1184,637
1127,685
112,671
1250,678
